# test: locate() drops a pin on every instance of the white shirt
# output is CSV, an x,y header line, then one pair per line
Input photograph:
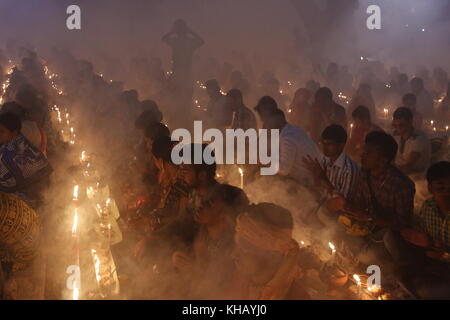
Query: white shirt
x,y
294,145
418,142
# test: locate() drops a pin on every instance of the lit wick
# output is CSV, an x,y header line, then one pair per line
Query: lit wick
x,y
75,193
76,291
75,223
241,172
358,283
333,251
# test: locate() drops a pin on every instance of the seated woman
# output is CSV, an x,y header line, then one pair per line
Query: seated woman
x,y
24,170
208,266
266,256
21,264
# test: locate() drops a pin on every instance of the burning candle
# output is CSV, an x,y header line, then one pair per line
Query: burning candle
x,y
75,193
75,223
375,290
83,156
109,232
432,122
358,283
386,113
96,266
76,291
241,172
351,128
446,128
333,251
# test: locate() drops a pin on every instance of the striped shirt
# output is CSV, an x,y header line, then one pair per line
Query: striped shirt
x,y
294,145
433,223
342,174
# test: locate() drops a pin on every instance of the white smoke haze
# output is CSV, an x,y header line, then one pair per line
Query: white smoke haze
x,y
253,36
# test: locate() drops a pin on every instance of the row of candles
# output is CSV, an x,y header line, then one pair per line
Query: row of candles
x,y
68,135
374,290
6,83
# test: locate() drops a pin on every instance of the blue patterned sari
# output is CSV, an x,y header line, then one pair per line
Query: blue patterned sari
x,y
22,168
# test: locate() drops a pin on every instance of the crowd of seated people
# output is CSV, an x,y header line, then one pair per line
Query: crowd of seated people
x,y
188,235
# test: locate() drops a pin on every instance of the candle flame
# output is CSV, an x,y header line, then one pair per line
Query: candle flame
x,y
75,222
75,192
76,291
373,288
241,172
332,247
357,279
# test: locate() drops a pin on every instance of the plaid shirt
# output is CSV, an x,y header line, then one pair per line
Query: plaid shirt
x,y
431,221
393,191
244,119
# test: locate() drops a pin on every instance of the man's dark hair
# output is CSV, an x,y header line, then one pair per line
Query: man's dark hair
x,y
235,94
335,133
403,113
152,106
203,166
438,170
213,83
272,215
362,113
146,119
384,142
234,198
162,148
275,118
409,97
156,130
27,93
325,92
266,104
14,108
10,121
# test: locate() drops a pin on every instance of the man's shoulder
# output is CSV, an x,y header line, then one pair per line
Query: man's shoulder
x,y
397,177
429,204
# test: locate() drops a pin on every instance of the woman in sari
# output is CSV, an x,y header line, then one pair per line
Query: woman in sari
x,y
24,170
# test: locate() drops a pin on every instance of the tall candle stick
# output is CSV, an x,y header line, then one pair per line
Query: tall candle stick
x,y
333,251
76,291
75,223
358,283
75,193
241,172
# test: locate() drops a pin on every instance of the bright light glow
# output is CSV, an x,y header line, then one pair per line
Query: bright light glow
x,y
75,192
